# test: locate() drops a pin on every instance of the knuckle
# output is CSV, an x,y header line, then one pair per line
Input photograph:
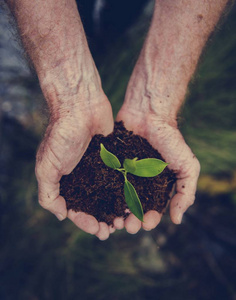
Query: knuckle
x,y
43,203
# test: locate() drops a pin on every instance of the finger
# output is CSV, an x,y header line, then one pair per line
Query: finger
x,y
112,229
184,161
49,198
183,199
84,221
132,224
53,160
57,207
48,178
151,219
103,232
178,206
104,125
119,223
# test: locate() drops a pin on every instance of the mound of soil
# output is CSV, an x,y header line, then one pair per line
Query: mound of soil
x,y
98,190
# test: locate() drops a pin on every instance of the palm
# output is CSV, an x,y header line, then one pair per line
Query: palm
x,y
169,142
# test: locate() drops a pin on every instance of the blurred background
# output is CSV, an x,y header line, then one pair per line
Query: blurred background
x,y
41,258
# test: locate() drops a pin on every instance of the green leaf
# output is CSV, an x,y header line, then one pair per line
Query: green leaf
x,y
130,164
109,159
149,167
132,200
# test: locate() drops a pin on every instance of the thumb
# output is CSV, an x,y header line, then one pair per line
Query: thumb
x,y
58,154
48,178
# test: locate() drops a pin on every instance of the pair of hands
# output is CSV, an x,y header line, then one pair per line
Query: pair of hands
x,y
67,138
57,46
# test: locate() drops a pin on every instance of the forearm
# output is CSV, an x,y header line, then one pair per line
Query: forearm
x,y
54,39
178,33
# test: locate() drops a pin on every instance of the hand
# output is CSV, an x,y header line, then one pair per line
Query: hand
x,y
164,136
67,138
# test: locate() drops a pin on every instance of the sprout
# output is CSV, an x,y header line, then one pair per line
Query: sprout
x,y
148,167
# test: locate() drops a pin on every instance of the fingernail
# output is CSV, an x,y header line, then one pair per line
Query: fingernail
x,y
60,217
179,218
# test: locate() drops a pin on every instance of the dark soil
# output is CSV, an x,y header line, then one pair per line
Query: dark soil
x,y
98,190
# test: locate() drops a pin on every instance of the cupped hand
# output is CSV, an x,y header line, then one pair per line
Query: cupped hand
x,y
164,136
66,139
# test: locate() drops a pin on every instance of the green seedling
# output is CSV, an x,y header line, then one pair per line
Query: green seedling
x,y
148,167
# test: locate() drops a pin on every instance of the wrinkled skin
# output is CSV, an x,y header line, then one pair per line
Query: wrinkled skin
x,y
67,138
64,145
62,148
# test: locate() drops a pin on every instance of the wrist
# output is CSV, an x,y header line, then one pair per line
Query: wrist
x,y
156,85
71,84
145,96
74,111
